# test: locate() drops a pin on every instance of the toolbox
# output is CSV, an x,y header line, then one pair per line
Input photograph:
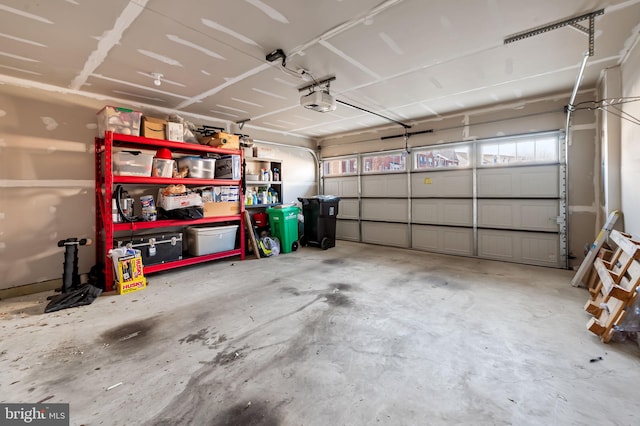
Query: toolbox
x,y
155,248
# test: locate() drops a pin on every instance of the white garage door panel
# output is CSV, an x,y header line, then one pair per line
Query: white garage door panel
x,y
443,239
425,238
450,183
540,181
343,186
332,186
442,211
523,247
533,215
347,230
389,209
348,209
391,185
388,234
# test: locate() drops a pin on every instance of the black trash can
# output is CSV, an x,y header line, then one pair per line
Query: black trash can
x,y
319,220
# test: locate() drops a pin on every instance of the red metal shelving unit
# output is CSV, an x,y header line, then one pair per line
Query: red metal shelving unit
x,y
105,180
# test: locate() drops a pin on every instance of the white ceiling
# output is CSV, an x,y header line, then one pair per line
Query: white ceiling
x,y
404,59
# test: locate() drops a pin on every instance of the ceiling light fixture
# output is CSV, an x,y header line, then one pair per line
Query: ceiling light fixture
x,y
156,78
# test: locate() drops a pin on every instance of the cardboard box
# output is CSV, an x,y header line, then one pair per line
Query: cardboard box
x,y
248,152
226,193
175,132
153,128
131,286
172,202
129,274
118,120
221,208
221,140
263,152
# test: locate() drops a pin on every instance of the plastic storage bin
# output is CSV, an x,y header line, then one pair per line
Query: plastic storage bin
x,y
228,167
201,241
163,168
132,163
118,120
284,226
203,168
320,220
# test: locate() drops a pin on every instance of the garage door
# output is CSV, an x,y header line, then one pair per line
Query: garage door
x,y
518,199
494,199
341,179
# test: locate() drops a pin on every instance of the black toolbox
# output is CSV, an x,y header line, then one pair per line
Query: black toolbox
x,y
155,248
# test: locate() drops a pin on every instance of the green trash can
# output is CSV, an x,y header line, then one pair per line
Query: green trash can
x,y
284,226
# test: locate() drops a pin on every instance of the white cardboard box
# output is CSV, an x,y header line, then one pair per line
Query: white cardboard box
x,y
172,202
175,132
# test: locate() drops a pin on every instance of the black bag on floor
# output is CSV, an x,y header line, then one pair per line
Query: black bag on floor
x,y
83,295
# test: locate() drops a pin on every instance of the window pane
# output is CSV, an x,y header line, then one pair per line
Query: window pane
x,y
526,151
394,162
506,153
547,149
340,166
453,156
519,150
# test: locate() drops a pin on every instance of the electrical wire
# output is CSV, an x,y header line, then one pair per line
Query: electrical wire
x,y
608,105
620,116
604,102
625,114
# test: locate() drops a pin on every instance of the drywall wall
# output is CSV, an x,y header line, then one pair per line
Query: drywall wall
x,y
47,178
299,171
630,143
610,126
531,115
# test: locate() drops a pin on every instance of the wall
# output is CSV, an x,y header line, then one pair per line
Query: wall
x,y
609,128
532,115
47,177
630,143
299,171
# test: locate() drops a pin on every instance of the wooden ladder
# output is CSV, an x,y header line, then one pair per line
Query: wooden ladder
x,y
616,286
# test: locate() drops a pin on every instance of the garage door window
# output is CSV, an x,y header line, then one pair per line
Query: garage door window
x,y
340,166
389,162
451,156
529,149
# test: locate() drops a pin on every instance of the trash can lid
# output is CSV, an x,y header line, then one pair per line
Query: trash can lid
x,y
321,197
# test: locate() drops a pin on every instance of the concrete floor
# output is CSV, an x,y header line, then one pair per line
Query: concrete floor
x,y
355,335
